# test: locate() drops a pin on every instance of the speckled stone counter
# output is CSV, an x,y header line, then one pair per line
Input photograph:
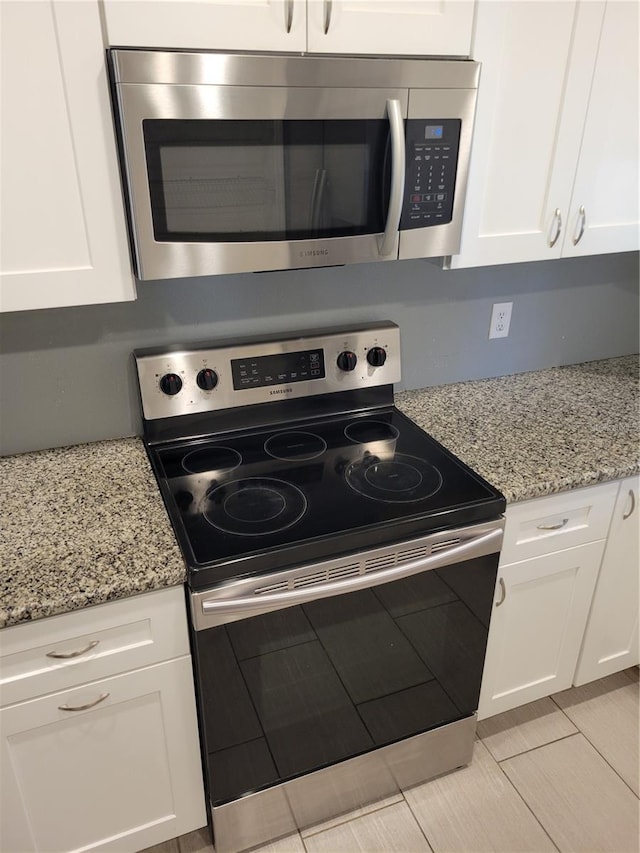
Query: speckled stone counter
x,y
84,525
534,434
80,526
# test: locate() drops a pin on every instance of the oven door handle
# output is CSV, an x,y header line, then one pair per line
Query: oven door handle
x,y
396,124
252,604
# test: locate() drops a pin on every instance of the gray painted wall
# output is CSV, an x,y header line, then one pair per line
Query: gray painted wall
x,y
67,374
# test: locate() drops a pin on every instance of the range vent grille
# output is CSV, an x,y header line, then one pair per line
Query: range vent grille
x,y
442,546
380,562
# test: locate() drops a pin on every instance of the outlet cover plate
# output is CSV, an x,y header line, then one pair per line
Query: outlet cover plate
x,y
500,320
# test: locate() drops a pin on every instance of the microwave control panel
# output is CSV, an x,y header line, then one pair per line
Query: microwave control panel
x,y
431,160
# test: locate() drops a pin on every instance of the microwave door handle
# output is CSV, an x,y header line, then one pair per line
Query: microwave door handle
x,y
396,123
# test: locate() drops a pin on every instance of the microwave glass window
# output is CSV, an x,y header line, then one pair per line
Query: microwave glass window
x,y
237,181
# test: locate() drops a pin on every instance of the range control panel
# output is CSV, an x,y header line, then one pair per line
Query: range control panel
x,y
432,158
210,377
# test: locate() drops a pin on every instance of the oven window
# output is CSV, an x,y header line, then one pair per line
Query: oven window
x,y
292,691
247,181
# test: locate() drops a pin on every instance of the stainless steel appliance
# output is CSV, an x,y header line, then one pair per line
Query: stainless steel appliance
x,y
260,162
341,571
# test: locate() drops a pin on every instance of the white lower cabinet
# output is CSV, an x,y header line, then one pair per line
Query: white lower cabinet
x,y
105,765
611,637
537,627
566,600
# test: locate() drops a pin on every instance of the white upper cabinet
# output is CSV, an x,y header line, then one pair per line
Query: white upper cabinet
x,y
555,143
63,230
394,27
400,27
278,25
605,200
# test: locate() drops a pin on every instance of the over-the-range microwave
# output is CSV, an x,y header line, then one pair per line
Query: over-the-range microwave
x,y
237,162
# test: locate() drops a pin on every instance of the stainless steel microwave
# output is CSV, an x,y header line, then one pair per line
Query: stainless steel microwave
x,y
235,162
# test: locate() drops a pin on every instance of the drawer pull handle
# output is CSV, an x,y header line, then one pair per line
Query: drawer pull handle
x,y
557,526
503,593
633,505
76,654
84,707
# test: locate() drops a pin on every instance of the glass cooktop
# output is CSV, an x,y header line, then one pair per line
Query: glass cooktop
x,y
282,496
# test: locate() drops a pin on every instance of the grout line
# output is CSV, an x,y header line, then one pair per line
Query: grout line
x,y
349,816
535,816
589,741
606,761
415,817
539,746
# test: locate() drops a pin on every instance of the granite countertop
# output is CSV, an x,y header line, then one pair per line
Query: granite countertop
x,y
81,525
534,434
85,525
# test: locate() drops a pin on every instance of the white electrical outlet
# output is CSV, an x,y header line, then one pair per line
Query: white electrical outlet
x,y
500,320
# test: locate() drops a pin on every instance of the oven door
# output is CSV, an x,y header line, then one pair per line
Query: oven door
x,y
224,179
308,668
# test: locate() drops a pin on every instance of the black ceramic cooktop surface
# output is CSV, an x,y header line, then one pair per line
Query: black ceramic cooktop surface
x,y
255,501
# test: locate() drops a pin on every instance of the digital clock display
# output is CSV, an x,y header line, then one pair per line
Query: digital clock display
x,y
280,369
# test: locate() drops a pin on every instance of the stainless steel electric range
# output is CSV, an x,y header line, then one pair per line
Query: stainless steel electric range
x,y
341,570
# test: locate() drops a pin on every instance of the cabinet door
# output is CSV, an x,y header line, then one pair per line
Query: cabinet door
x,y
611,638
409,27
64,237
122,775
537,625
207,24
537,63
607,179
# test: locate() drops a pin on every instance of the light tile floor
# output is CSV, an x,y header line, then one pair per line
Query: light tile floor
x,y
558,774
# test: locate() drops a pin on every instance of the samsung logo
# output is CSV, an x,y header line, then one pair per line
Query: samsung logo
x,y
312,253
281,391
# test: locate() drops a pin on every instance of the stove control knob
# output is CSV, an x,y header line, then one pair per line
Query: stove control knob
x,y
207,379
376,356
347,360
170,384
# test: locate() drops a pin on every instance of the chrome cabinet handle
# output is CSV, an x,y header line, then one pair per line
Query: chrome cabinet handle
x,y
503,593
626,515
76,654
84,707
557,219
557,526
396,124
288,15
583,221
328,4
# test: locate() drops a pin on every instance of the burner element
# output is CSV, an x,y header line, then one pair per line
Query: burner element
x,y
366,431
295,446
255,506
393,476
403,479
211,459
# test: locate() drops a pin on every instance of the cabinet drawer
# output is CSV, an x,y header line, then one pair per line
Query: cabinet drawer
x,y
120,772
59,652
559,521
